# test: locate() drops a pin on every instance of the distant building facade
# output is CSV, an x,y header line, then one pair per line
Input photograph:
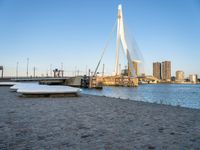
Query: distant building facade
x,y
166,70
58,73
136,68
193,78
179,76
157,70
124,72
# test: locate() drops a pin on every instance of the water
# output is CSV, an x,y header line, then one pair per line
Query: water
x,y
184,95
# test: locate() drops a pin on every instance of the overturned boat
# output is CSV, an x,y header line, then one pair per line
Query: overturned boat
x,y
7,83
19,85
37,90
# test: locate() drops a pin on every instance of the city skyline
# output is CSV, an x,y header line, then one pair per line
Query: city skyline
x,y
74,33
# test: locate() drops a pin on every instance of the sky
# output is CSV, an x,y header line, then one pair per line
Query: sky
x,y
72,34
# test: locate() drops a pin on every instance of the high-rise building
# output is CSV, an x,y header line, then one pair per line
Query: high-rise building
x,y
166,70
193,78
179,76
157,70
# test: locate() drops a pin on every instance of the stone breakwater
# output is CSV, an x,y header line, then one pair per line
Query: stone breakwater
x,y
92,122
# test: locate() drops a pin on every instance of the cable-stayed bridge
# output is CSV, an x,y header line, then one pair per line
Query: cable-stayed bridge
x,y
119,79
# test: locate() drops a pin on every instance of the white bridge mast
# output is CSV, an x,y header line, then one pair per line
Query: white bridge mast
x,y
121,40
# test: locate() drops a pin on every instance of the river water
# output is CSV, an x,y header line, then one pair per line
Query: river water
x,y
183,95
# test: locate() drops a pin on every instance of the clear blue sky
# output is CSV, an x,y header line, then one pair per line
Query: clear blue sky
x,y
73,32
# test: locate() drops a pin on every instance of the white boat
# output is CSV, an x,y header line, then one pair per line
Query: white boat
x,y
47,90
7,83
22,85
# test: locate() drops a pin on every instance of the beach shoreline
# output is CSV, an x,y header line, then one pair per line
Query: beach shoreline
x,y
94,122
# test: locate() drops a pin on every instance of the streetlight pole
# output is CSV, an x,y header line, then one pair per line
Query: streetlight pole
x,y
86,70
51,70
27,67
61,66
103,70
34,71
75,71
17,69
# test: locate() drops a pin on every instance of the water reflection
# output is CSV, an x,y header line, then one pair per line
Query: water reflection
x,y
170,94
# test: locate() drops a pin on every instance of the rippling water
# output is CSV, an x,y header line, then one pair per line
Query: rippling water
x,y
183,95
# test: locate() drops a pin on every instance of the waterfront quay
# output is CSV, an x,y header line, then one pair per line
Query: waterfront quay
x,y
93,122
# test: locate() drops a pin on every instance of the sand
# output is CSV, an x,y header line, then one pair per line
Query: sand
x,y
94,123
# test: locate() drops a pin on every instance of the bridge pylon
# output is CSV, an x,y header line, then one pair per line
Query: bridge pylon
x,y
122,40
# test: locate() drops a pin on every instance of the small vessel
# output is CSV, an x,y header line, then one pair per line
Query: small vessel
x,y
47,90
18,85
7,83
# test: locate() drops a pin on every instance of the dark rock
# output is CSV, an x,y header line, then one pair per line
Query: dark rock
x,y
86,135
172,133
41,137
151,147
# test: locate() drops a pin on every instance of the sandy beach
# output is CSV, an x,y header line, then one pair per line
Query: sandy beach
x,y
94,123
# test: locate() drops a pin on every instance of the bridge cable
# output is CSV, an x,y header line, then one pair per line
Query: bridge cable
x,y
105,47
